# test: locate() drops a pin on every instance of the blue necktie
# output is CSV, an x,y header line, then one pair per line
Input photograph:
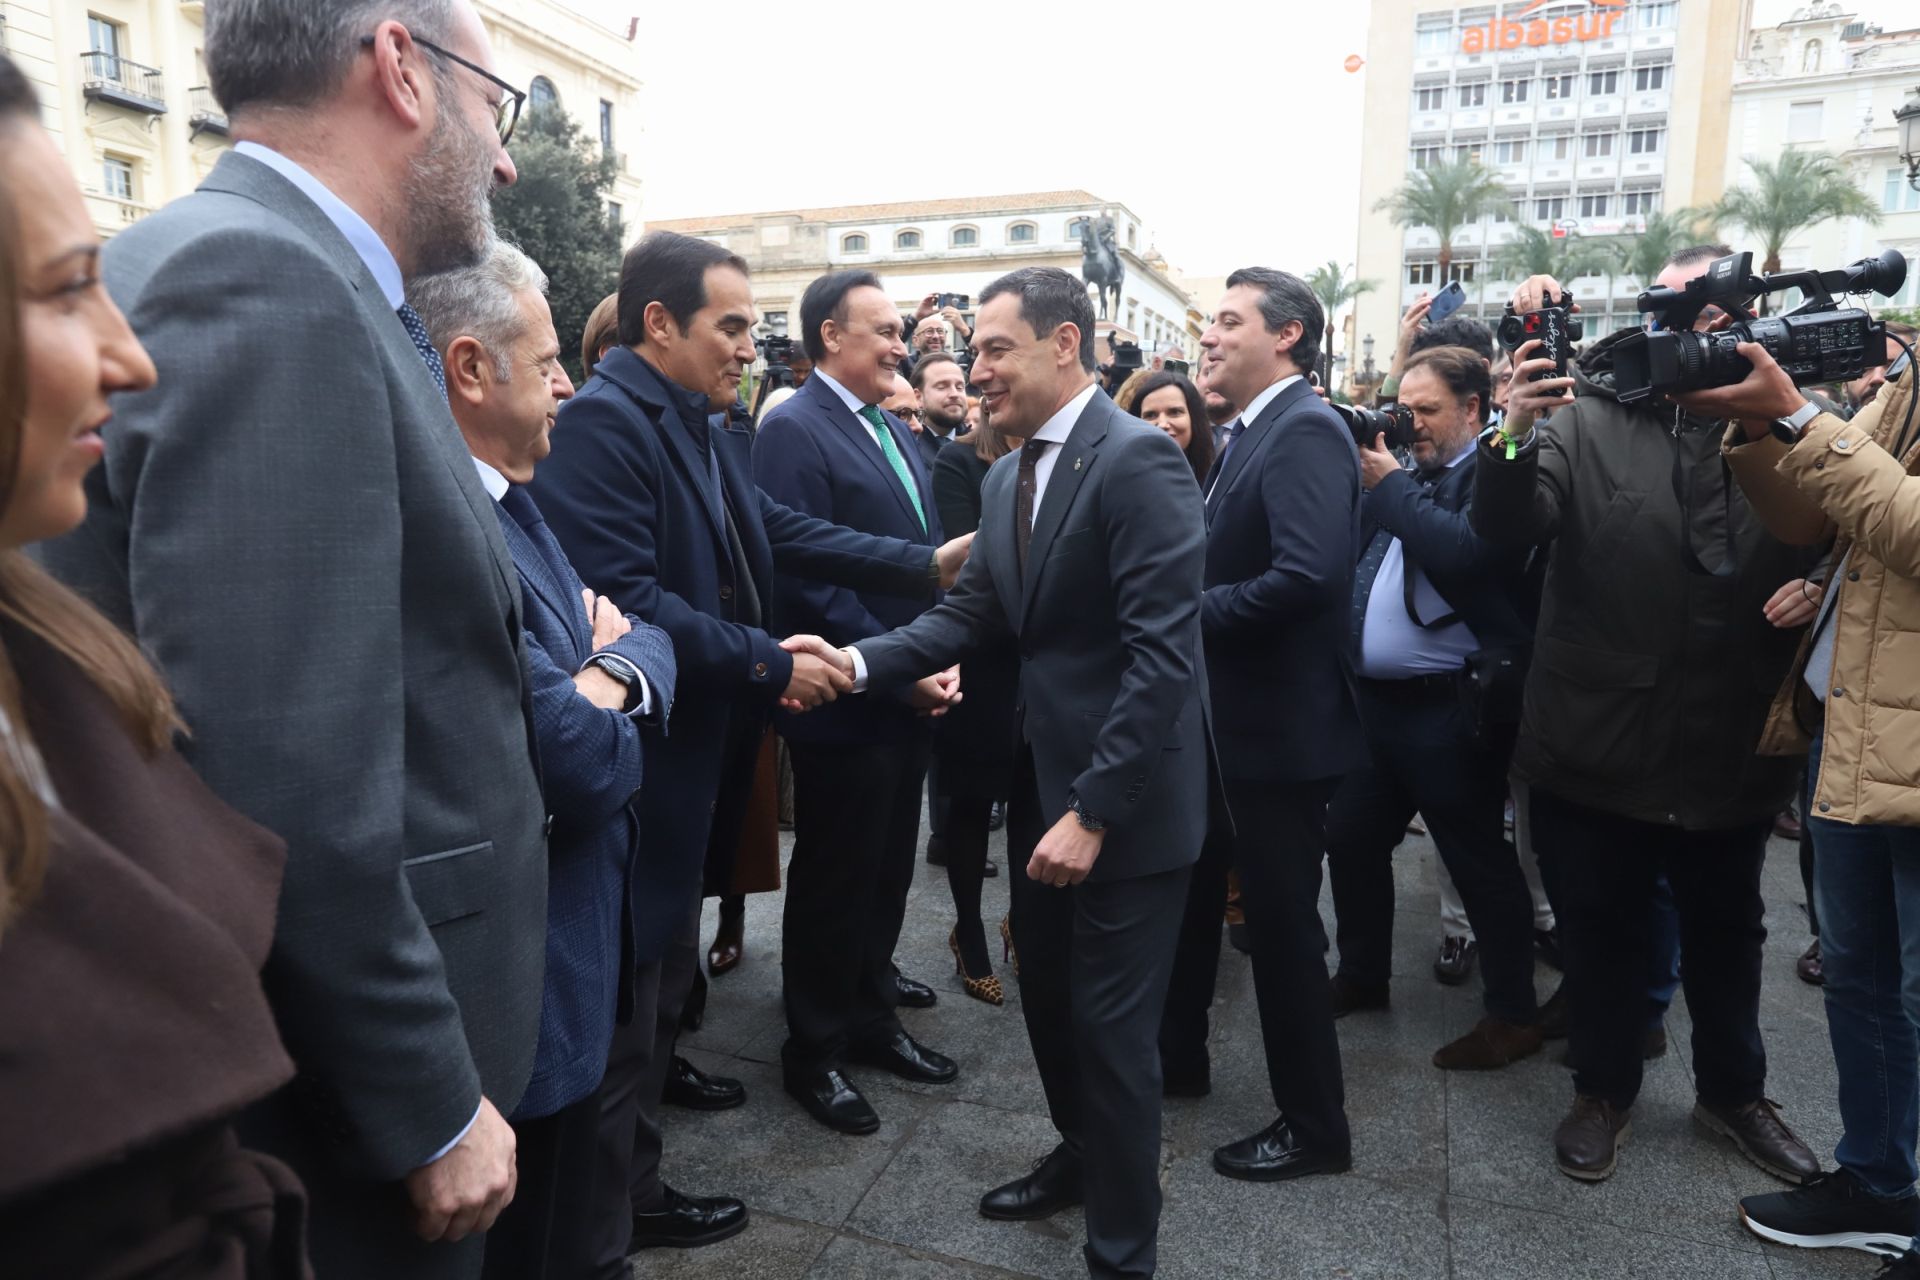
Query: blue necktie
x,y
1230,433
1363,576
424,345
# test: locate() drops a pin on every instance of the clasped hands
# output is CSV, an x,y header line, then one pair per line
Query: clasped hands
x,y
822,672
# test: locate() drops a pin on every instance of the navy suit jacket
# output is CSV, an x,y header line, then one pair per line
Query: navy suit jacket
x,y
1494,588
590,766
1283,534
815,456
629,490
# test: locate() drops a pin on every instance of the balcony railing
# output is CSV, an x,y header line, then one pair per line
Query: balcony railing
x,y
108,77
203,112
111,213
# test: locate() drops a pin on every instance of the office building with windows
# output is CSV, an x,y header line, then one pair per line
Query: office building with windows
x,y
1825,81
1592,114
123,89
952,246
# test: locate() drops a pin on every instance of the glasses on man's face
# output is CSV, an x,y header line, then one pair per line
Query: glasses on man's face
x,y
913,414
506,111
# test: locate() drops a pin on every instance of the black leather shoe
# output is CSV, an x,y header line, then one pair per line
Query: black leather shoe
x,y
1053,1185
1274,1154
936,851
997,816
909,1059
1191,1083
690,1087
830,1098
687,1222
915,995
1351,997
991,870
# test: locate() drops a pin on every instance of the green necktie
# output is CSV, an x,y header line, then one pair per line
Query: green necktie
x,y
894,460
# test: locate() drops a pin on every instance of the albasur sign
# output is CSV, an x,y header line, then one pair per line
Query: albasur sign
x,y
1510,33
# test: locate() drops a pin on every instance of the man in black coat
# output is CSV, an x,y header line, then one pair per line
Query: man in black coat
x,y
1433,606
1088,559
1282,512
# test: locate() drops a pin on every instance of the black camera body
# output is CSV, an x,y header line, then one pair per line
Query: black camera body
x,y
1554,325
775,349
1395,422
1818,341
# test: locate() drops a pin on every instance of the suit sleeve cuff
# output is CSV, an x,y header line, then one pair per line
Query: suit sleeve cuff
x,y
859,670
458,1138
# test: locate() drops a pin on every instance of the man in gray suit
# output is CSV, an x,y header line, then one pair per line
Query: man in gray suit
x,y
292,528
1088,560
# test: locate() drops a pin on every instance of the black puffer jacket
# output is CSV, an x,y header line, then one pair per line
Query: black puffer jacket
x,y
1654,665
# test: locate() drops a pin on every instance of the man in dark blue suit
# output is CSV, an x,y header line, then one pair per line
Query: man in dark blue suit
x,y
1434,606
1283,525
858,765
593,677
657,507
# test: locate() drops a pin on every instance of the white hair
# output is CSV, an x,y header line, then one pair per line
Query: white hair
x,y
481,302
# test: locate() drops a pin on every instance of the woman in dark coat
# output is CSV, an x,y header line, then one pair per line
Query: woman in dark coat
x,y
135,908
975,741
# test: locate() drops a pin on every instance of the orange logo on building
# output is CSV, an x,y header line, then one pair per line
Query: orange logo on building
x,y
1506,33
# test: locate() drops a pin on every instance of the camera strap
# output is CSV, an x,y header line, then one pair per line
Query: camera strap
x,y
1683,493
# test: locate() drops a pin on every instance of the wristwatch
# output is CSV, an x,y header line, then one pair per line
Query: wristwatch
x,y
1087,821
619,669
1788,429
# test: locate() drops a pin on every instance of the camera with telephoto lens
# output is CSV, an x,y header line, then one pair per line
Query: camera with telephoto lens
x,y
1395,422
1554,325
1818,341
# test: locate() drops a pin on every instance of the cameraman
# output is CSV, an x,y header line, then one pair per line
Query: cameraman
x,y
1646,697
1437,610
1851,694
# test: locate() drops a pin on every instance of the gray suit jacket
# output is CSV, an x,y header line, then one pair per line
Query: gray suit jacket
x,y
291,526
1113,688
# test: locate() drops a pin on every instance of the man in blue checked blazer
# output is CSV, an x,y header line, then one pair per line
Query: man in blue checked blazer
x,y
599,684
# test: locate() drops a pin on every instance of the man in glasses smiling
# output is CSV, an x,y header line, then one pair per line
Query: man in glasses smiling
x,y
314,564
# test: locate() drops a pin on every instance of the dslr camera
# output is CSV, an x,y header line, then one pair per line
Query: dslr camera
x,y
1554,325
1818,341
1395,422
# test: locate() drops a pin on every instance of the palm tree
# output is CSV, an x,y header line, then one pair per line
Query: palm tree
x,y
1533,252
1642,256
1446,197
1801,189
1335,290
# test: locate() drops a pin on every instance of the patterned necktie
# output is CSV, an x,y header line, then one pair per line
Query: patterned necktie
x,y
1230,434
1023,494
894,460
1363,576
424,345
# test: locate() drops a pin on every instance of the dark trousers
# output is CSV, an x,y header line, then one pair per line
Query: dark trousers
x,y
545,1233
1094,963
1605,868
626,1152
856,830
1426,758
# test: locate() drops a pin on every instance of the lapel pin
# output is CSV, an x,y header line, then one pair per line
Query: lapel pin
x,y
1076,464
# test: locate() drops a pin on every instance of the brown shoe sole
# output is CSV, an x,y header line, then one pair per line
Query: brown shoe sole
x,y
1598,1175
1716,1125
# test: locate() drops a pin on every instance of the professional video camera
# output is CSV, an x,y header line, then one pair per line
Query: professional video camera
x,y
1818,341
777,350
1395,422
1554,325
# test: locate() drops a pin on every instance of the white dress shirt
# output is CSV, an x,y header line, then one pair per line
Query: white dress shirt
x,y
1255,407
853,402
1052,433
496,486
1392,646
359,233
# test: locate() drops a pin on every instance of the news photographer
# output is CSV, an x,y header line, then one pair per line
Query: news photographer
x,y
1847,700
1442,621
1649,684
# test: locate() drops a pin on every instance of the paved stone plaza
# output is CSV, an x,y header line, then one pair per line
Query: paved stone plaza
x,y
1453,1173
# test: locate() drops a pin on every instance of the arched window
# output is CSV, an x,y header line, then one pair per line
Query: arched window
x,y
1076,228
855,243
1810,60
964,238
906,240
541,95
1023,233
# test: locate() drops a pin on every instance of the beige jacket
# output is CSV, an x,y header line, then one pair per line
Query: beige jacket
x,y
1841,482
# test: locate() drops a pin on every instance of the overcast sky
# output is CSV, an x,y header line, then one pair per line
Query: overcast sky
x,y
1231,129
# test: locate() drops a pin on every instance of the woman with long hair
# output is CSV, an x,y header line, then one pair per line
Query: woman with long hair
x,y
135,908
1171,402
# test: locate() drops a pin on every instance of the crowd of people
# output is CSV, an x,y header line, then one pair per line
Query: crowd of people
x,y
377,708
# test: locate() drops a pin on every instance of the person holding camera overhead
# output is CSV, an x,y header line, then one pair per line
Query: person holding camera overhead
x,y
1810,475
1652,667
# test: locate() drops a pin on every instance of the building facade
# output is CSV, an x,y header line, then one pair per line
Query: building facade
x,y
123,89
1592,113
951,246
1825,81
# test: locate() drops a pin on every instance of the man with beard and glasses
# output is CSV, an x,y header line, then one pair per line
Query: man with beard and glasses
x,y
308,555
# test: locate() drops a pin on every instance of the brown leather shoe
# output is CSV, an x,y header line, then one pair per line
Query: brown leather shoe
x,y
1809,965
1763,1137
1587,1142
1491,1044
725,953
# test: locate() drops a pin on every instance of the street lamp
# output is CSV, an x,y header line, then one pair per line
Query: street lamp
x,y
1907,116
